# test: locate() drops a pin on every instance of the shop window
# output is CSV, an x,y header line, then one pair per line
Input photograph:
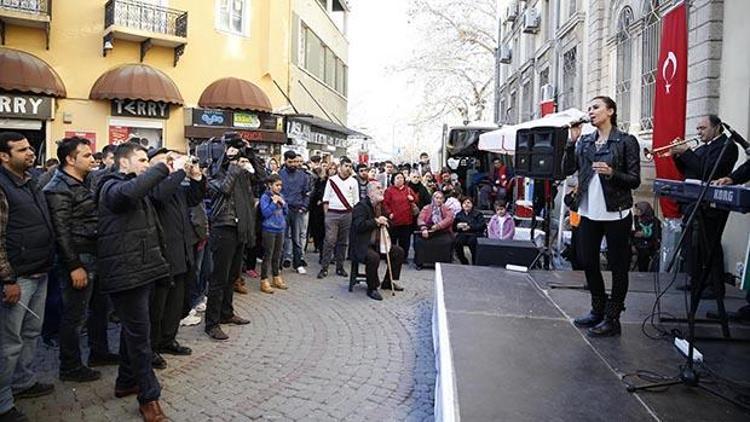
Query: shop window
x,y
330,68
233,16
623,67
314,54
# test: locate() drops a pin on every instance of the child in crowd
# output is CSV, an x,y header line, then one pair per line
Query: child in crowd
x,y
501,224
274,209
646,236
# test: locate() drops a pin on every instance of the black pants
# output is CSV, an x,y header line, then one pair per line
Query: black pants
x,y
98,322
173,311
273,247
226,251
373,262
158,303
132,307
401,236
465,239
75,303
644,258
704,243
590,235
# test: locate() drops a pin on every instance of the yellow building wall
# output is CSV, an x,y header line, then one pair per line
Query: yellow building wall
x,y
76,54
317,19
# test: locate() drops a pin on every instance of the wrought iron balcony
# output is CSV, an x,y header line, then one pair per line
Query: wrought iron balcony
x,y
145,23
32,13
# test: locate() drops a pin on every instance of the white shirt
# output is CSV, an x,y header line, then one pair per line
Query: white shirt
x,y
594,207
349,187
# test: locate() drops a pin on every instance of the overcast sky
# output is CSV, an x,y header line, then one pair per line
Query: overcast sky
x,y
381,100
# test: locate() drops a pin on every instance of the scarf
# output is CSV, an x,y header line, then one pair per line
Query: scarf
x,y
437,215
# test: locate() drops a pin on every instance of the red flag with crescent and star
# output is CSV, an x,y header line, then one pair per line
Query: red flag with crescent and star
x,y
670,99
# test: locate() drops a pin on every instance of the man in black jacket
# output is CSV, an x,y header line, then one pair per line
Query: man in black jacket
x,y
73,211
708,228
26,249
367,219
130,262
182,189
232,221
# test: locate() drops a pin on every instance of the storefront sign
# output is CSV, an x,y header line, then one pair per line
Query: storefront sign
x,y
328,139
91,136
25,106
140,108
206,117
246,120
118,134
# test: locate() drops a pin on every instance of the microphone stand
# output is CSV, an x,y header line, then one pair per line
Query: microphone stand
x,y
688,375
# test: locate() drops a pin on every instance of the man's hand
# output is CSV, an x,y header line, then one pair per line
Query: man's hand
x,y
678,149
11,293
194,172
425,233
249,168
382,221
410,198
79,278
180,163
724,181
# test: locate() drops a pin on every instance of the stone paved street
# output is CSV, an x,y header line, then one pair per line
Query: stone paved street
x,y
314,352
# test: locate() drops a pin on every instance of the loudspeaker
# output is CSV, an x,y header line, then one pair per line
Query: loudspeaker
x,y
499,253
539,152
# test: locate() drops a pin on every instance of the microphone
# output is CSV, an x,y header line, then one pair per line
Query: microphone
x,y
736,137
580,121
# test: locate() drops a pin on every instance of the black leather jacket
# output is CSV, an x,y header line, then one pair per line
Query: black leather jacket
x,y
74,217
621,152
232,202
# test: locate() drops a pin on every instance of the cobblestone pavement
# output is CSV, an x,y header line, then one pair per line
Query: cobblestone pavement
x,y
313,352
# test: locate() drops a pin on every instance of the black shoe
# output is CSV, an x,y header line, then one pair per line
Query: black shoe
x,y
36,390
235,320
387,286
109,359
341,272
13,415
418,267
323,273
158,362
217,333
607,328
374,294
286,264
591,319
82,374
177,349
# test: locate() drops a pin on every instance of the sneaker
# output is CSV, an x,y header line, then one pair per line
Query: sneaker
x,y
36,390
82,374
201,307
252,273
13,415
192,318
301,270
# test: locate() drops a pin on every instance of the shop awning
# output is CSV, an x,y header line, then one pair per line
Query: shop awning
x,y
235,94
136,82
24,72
325,124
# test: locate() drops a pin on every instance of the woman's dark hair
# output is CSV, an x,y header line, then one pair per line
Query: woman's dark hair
x,y
395,175
610,103
467,198
273,178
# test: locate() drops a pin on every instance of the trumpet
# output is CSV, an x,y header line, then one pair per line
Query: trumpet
x,y
664,151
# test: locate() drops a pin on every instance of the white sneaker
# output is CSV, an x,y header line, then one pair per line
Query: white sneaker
x,y
191,319
201,306
301,270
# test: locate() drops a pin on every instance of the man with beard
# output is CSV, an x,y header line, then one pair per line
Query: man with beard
x,y
296,192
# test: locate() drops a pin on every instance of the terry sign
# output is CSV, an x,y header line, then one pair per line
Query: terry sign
x,y
140,108
25,106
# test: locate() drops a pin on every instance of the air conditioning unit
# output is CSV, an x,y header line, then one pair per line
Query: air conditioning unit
x,y
531,20
505,54
511,13
548,92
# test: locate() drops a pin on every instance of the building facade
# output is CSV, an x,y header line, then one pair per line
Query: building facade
x,y
170,71
569,51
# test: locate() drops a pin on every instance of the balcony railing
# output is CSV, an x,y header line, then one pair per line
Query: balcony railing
x,y
145,17
37,7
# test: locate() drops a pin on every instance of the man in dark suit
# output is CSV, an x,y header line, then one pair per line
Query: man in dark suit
x,y
697,164
367,219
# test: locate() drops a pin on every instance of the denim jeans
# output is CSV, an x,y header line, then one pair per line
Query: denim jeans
x,y
132,307
19,332
75,304
295,237
203,267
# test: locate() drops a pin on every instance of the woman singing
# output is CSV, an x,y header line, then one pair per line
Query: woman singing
x,y
608,165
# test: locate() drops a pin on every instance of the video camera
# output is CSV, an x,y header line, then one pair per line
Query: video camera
x,y
212,154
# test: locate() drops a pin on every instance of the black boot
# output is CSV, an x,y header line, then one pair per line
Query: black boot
x,y
611,324
595,316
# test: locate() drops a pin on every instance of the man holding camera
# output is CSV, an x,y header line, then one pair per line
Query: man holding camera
x,y
232,221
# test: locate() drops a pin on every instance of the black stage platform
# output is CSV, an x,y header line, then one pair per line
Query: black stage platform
x,y
506,350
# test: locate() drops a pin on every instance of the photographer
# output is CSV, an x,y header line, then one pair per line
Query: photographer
x,y
232,221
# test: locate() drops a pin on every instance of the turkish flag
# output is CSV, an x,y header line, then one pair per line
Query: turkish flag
x,y
670,99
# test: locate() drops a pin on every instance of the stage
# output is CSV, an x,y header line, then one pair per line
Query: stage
x,y
506,350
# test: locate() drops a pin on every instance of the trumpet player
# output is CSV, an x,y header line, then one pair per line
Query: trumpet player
x,y
697,164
